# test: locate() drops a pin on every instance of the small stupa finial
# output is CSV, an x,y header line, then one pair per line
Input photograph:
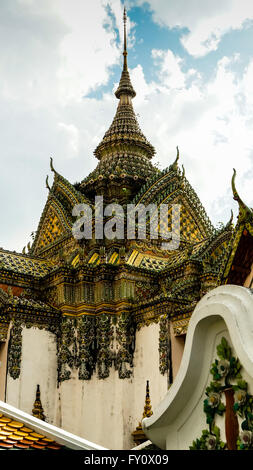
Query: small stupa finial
x,y
147,407
138,435
38,411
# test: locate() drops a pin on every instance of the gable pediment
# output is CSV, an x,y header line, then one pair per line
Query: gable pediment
x,y
173,188
55,223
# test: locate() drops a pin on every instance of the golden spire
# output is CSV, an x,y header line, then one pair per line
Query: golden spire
x,y
124,136
37,410
125,86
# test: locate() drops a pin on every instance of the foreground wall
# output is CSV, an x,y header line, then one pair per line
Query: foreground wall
x,y
215,380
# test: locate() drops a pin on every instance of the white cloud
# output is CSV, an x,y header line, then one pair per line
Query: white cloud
x,y
210,126
72,135
170,68
207,21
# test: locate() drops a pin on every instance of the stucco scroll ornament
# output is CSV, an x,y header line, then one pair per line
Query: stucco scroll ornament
x,y
86,335
164,345
104,340
68,350
15,349
227,380
125,335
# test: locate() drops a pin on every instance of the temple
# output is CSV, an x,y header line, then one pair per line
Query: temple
x,y
87,322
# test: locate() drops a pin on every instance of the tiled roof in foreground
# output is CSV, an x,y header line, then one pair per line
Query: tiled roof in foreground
x,y
14,435
19,430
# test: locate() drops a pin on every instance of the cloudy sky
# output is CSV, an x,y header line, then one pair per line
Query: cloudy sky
x,y
191,64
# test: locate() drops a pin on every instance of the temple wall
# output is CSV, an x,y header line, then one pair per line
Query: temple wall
x,y
103,411
38,366
108,411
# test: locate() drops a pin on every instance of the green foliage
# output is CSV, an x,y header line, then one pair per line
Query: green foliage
x,y
235,368
225,370
214,370
213,387
241,385
202,442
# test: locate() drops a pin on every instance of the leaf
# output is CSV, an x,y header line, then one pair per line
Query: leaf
x,y
221,407
223,349
216,431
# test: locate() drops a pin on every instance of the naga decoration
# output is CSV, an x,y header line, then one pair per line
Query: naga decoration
x,y
227,380
125,336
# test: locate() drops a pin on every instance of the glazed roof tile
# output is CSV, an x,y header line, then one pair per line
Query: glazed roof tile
x,y
15,435
24,264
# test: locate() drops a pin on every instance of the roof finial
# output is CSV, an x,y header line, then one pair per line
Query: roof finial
x,y
243,209
47,185
174,166
125,39
52,165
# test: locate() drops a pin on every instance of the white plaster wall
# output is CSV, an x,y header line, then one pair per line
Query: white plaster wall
x,y
108,411
38,366
146,362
